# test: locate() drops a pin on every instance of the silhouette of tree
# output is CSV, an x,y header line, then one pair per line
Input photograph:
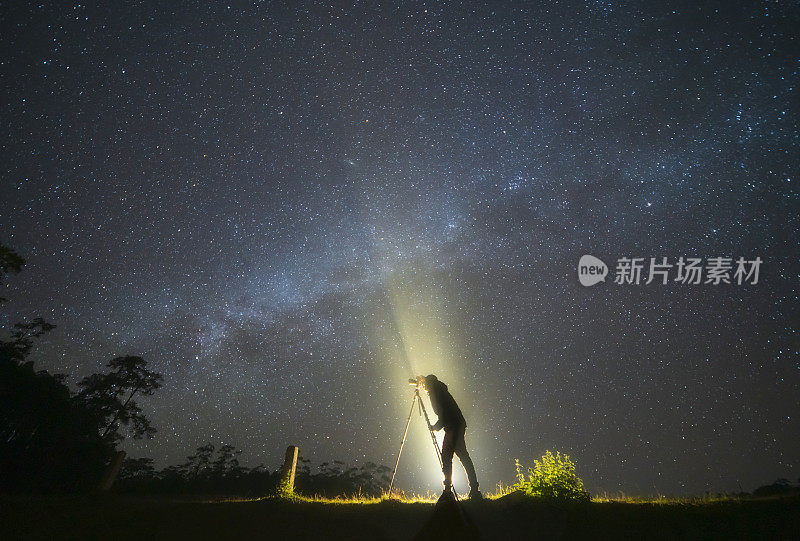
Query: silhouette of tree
x,y
110,396
227,463
10,262
50,439
780,487
217,471
137,473
198,465
22,337
137,467
46,442
334,478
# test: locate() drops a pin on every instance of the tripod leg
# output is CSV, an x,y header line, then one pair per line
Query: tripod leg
x,y
405,433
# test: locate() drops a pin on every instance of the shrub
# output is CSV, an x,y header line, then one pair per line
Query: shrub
x,y
553,478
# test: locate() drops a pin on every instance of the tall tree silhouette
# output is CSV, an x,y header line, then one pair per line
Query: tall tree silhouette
x,y
110,396
51,439
21,342
47,443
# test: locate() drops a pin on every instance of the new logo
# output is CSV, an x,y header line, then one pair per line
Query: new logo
x,y
591,270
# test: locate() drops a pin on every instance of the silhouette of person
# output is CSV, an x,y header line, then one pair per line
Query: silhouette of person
x,y
454,424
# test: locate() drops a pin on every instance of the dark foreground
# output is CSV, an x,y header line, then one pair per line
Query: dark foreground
x,y
118,517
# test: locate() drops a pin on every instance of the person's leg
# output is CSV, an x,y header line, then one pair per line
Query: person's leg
x,y
448,448
463,455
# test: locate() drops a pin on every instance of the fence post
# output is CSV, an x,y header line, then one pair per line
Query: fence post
x,y
111,472
289,469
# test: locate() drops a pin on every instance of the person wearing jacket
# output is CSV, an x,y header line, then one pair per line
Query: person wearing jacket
x,y
452,421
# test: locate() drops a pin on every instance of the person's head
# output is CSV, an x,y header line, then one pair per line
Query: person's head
x,y
430,381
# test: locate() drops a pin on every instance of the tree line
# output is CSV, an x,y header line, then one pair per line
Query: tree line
x,y
212,470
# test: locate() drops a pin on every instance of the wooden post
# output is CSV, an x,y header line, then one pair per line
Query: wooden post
x,y
111,472
289,468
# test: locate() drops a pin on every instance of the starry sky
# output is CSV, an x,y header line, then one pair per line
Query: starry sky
x,y
290,208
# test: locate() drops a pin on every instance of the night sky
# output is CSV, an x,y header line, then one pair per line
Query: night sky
x,y
269,201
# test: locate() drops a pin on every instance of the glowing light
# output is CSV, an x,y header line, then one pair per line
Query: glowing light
x,y
419,340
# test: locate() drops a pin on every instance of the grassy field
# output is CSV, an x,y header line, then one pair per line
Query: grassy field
x,y
506,518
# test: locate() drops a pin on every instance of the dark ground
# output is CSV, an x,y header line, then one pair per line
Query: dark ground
x,y
119,517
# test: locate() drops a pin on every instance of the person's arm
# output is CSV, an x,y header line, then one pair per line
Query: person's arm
x,y
438,426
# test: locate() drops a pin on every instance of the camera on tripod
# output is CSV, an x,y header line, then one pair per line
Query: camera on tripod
x,y
418,382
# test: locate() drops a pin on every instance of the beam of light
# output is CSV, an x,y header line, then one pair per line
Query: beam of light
x,y
410,326
418,342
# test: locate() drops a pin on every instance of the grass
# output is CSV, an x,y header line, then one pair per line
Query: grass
x,y
666,500
431,498
502,516
396,496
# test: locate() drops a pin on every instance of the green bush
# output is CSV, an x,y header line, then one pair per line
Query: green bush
x,y
553,478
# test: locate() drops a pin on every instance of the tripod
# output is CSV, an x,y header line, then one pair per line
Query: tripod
x,y
422,411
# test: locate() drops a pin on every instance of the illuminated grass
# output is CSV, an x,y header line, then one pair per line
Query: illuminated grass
x,y
400,497
500,491
356,499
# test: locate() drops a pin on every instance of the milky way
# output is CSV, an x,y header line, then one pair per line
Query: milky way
x,y
269,202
